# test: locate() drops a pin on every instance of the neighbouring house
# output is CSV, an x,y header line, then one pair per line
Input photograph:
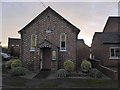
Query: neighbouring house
x,y
83,52
47,41
14,47
4,49
105,45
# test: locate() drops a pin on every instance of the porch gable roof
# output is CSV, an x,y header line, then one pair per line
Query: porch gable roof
x,y
47,44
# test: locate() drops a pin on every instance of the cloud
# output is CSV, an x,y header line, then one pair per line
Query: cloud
x,y
0,22
90,17
60,0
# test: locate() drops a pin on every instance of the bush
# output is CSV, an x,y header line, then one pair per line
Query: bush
x,y
16,63
69,65
16,71
8,64
86,66
62,73
95,73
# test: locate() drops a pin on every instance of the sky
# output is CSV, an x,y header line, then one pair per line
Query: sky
x,y
89,17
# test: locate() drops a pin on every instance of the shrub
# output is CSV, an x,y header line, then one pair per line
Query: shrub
x,y
95,73
69,65
86,66
16,63
16,71
8,64
62,73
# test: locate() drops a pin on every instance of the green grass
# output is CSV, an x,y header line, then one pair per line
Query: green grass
x,y
16,84
80,83
61,83
48,85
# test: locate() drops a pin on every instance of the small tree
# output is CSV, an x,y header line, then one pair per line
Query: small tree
x,y
69,65
86,66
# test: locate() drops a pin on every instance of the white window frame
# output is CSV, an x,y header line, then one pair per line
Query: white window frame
x,y
33,49
61,41
114,57
17,45
12,45
41,57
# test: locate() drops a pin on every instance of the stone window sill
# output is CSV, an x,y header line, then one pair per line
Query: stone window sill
x,y
32,50
63,50
114,58
53,59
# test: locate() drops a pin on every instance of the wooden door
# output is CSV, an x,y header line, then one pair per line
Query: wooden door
x,y
47,58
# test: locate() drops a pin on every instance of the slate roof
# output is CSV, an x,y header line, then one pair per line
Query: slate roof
x,y
116,19
109,37
13,38
81,40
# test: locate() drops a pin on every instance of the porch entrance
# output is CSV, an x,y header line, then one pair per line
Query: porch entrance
x,y
46,59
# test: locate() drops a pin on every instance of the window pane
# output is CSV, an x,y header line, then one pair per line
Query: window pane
x,y
33,41
62,44
12,45
63,41
53,55
112,52
63,37
117,51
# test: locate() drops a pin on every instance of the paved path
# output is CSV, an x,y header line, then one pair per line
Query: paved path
x,y
29,75
46,75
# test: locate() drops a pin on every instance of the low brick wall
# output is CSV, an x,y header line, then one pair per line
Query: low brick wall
x,y
109,72
105,70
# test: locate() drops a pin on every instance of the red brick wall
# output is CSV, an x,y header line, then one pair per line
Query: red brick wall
x,y
83,52
105,70
96,47
110,73
58,26
15,42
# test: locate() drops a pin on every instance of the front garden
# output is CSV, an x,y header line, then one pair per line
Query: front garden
x,y
86,70
17,82
14,68
63,78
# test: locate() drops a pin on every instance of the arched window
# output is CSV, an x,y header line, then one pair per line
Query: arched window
x,y
63,42
33,41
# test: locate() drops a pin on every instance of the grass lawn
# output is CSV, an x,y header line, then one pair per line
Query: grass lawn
x,y
59,83
79,83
